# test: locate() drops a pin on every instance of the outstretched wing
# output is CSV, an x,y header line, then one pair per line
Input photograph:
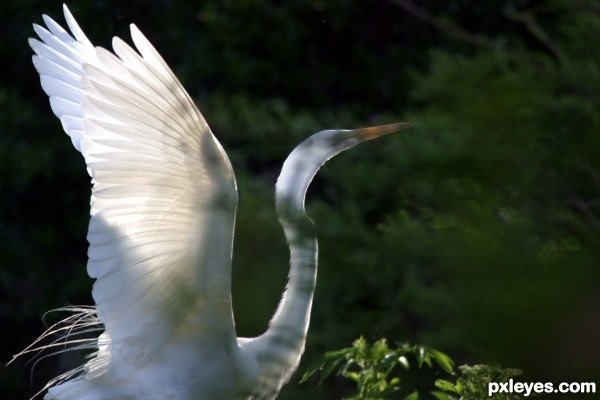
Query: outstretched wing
x,y
164,195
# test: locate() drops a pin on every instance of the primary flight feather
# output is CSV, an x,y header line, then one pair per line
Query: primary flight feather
x,y
161,231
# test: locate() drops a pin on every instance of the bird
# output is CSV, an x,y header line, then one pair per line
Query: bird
x,y
161,228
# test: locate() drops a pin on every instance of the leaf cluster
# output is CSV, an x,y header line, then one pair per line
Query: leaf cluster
x,y
472,382
374,369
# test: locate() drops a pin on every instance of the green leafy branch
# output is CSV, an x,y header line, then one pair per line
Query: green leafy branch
x,y
376,370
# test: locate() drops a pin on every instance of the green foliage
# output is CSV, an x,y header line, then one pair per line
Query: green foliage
x,y
472,382
374,368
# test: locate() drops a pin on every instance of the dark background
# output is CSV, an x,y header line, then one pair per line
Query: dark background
x,y
477,232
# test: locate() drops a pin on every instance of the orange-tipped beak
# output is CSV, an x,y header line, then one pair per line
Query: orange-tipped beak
x,y
376,131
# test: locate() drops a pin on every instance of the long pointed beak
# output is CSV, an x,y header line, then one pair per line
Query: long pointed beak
x,y
373,132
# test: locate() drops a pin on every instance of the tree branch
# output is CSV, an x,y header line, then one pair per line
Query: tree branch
x,y
536,30
459,33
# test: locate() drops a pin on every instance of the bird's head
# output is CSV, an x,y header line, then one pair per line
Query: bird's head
x,y
325,144
306,159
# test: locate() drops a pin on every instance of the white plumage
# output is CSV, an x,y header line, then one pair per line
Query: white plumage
x,y
161,230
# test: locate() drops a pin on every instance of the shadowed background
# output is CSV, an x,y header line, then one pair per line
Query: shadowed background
x,y
476,232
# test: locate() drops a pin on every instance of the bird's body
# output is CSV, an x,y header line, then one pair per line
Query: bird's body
x,y
161,232
191,367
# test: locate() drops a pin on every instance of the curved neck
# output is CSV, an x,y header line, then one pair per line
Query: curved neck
x,y
293,315
279,349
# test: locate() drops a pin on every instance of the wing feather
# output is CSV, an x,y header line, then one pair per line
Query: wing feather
x,y
163,197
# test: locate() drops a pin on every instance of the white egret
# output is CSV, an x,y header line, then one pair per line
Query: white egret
x,y
161,231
